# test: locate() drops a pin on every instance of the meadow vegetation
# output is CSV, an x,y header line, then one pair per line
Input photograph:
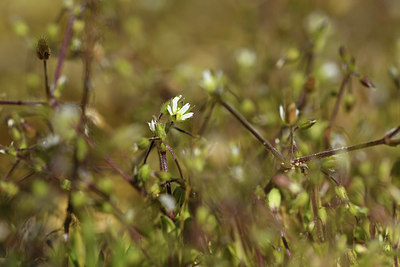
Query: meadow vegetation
x,y
199,133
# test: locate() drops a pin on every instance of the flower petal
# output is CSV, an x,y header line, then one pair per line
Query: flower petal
x,y
207,77
175,103
169,110
186,116
152,125
282,113
184,108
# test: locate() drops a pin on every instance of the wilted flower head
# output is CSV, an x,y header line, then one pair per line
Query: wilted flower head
x,y
177,111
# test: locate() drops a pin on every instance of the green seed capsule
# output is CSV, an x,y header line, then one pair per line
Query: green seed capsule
x,y
341,193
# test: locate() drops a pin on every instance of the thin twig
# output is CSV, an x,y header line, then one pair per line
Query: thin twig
x,y
291,142
22,103
164,167
183,131
90,32
327,174
117,212
249,127
318,222
386,140
109,161
206,119
46,80
14,166
26,177
68,217
328,130
113,165
148,152
63,52
284,240
176,160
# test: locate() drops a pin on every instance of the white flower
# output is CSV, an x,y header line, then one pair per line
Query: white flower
x,y
208,80
330,70
181,113
246,58
168,202
152,125
213,82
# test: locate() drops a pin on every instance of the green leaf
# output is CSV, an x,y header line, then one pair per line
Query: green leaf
x,y
167,225
179,195
307,124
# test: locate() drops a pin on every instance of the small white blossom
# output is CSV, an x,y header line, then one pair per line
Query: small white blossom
x,y
168,202
152,125
208,80
246,58
50,141
282,112
181,113
212,82
330,70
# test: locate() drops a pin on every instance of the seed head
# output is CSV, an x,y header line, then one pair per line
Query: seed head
x,y
42,49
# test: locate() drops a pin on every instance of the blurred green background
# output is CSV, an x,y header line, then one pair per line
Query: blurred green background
x,y
151,50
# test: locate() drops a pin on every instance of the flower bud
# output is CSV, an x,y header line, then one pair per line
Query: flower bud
x,y
307,124
289,115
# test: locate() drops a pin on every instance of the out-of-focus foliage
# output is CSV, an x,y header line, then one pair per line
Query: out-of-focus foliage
x,y
81,190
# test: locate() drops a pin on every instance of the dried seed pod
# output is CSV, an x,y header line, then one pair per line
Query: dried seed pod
x,y
366,81
43,49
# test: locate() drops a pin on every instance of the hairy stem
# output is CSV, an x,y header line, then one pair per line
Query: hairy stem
x,y
176,160
386,140
250,128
